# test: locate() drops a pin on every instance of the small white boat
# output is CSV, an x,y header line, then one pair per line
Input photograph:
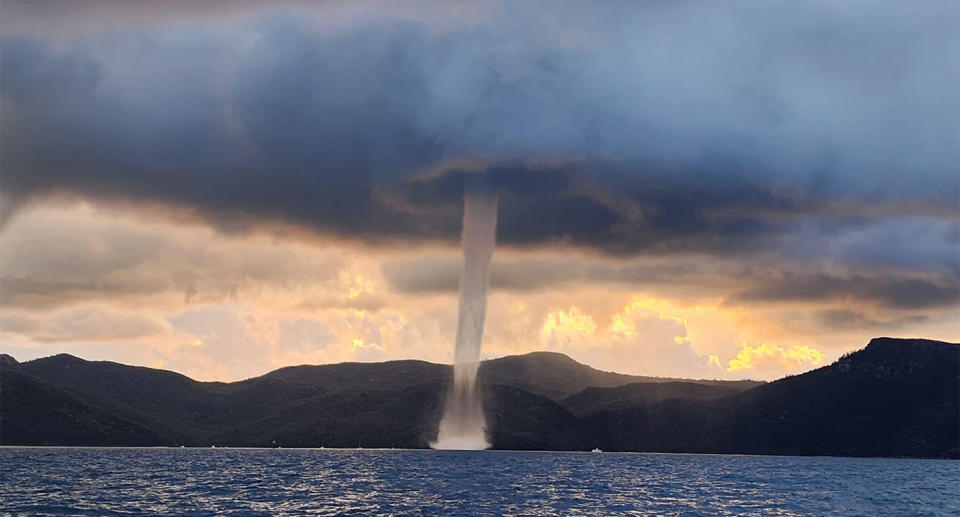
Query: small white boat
x,y
596,450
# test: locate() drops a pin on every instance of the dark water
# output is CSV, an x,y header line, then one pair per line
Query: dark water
x,y
64,481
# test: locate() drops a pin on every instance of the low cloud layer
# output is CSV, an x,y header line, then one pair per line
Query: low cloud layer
x,y
743,280
104,284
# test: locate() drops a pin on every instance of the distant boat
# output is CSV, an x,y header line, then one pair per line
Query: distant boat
x,y
596,450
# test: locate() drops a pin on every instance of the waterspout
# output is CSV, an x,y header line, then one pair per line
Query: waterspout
x,y
463,425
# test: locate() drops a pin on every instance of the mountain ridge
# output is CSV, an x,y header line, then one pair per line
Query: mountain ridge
x,y
286,370
895,397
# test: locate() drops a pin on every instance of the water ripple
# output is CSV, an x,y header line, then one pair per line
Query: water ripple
x,y
81,481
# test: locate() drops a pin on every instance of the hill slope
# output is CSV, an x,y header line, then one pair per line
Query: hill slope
x,y
595,400
37,413
557,376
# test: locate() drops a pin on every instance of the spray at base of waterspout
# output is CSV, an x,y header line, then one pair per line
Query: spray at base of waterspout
x,y
463,426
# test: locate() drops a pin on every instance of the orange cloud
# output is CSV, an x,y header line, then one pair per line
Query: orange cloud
x,y
360,285
624,322
766,356
572,323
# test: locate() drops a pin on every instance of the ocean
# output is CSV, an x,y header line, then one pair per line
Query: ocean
x,y
161,481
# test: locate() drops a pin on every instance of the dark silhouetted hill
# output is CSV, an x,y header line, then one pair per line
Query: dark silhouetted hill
x,y
897,397
34,412
894,398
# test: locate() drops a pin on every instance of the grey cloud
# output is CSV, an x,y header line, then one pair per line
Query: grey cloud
x,y
887,290
745,281
51,260
428,275
305,335
845,319
82,324
37,293
885,240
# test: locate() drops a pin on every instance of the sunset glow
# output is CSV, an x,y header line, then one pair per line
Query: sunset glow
x,y
677,196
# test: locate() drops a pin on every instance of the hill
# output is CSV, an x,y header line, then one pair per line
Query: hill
x,y
395,403
894,398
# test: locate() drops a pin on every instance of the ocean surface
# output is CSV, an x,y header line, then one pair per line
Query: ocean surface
x,y
156,481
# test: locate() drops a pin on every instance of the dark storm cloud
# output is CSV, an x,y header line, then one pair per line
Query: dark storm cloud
x,y
844,319
887,290
64,128
537,204
600,205
640,126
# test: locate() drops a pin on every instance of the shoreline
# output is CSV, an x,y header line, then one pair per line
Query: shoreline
x,y
426,449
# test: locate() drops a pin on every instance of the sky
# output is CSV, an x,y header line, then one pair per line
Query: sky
x,y
688,189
